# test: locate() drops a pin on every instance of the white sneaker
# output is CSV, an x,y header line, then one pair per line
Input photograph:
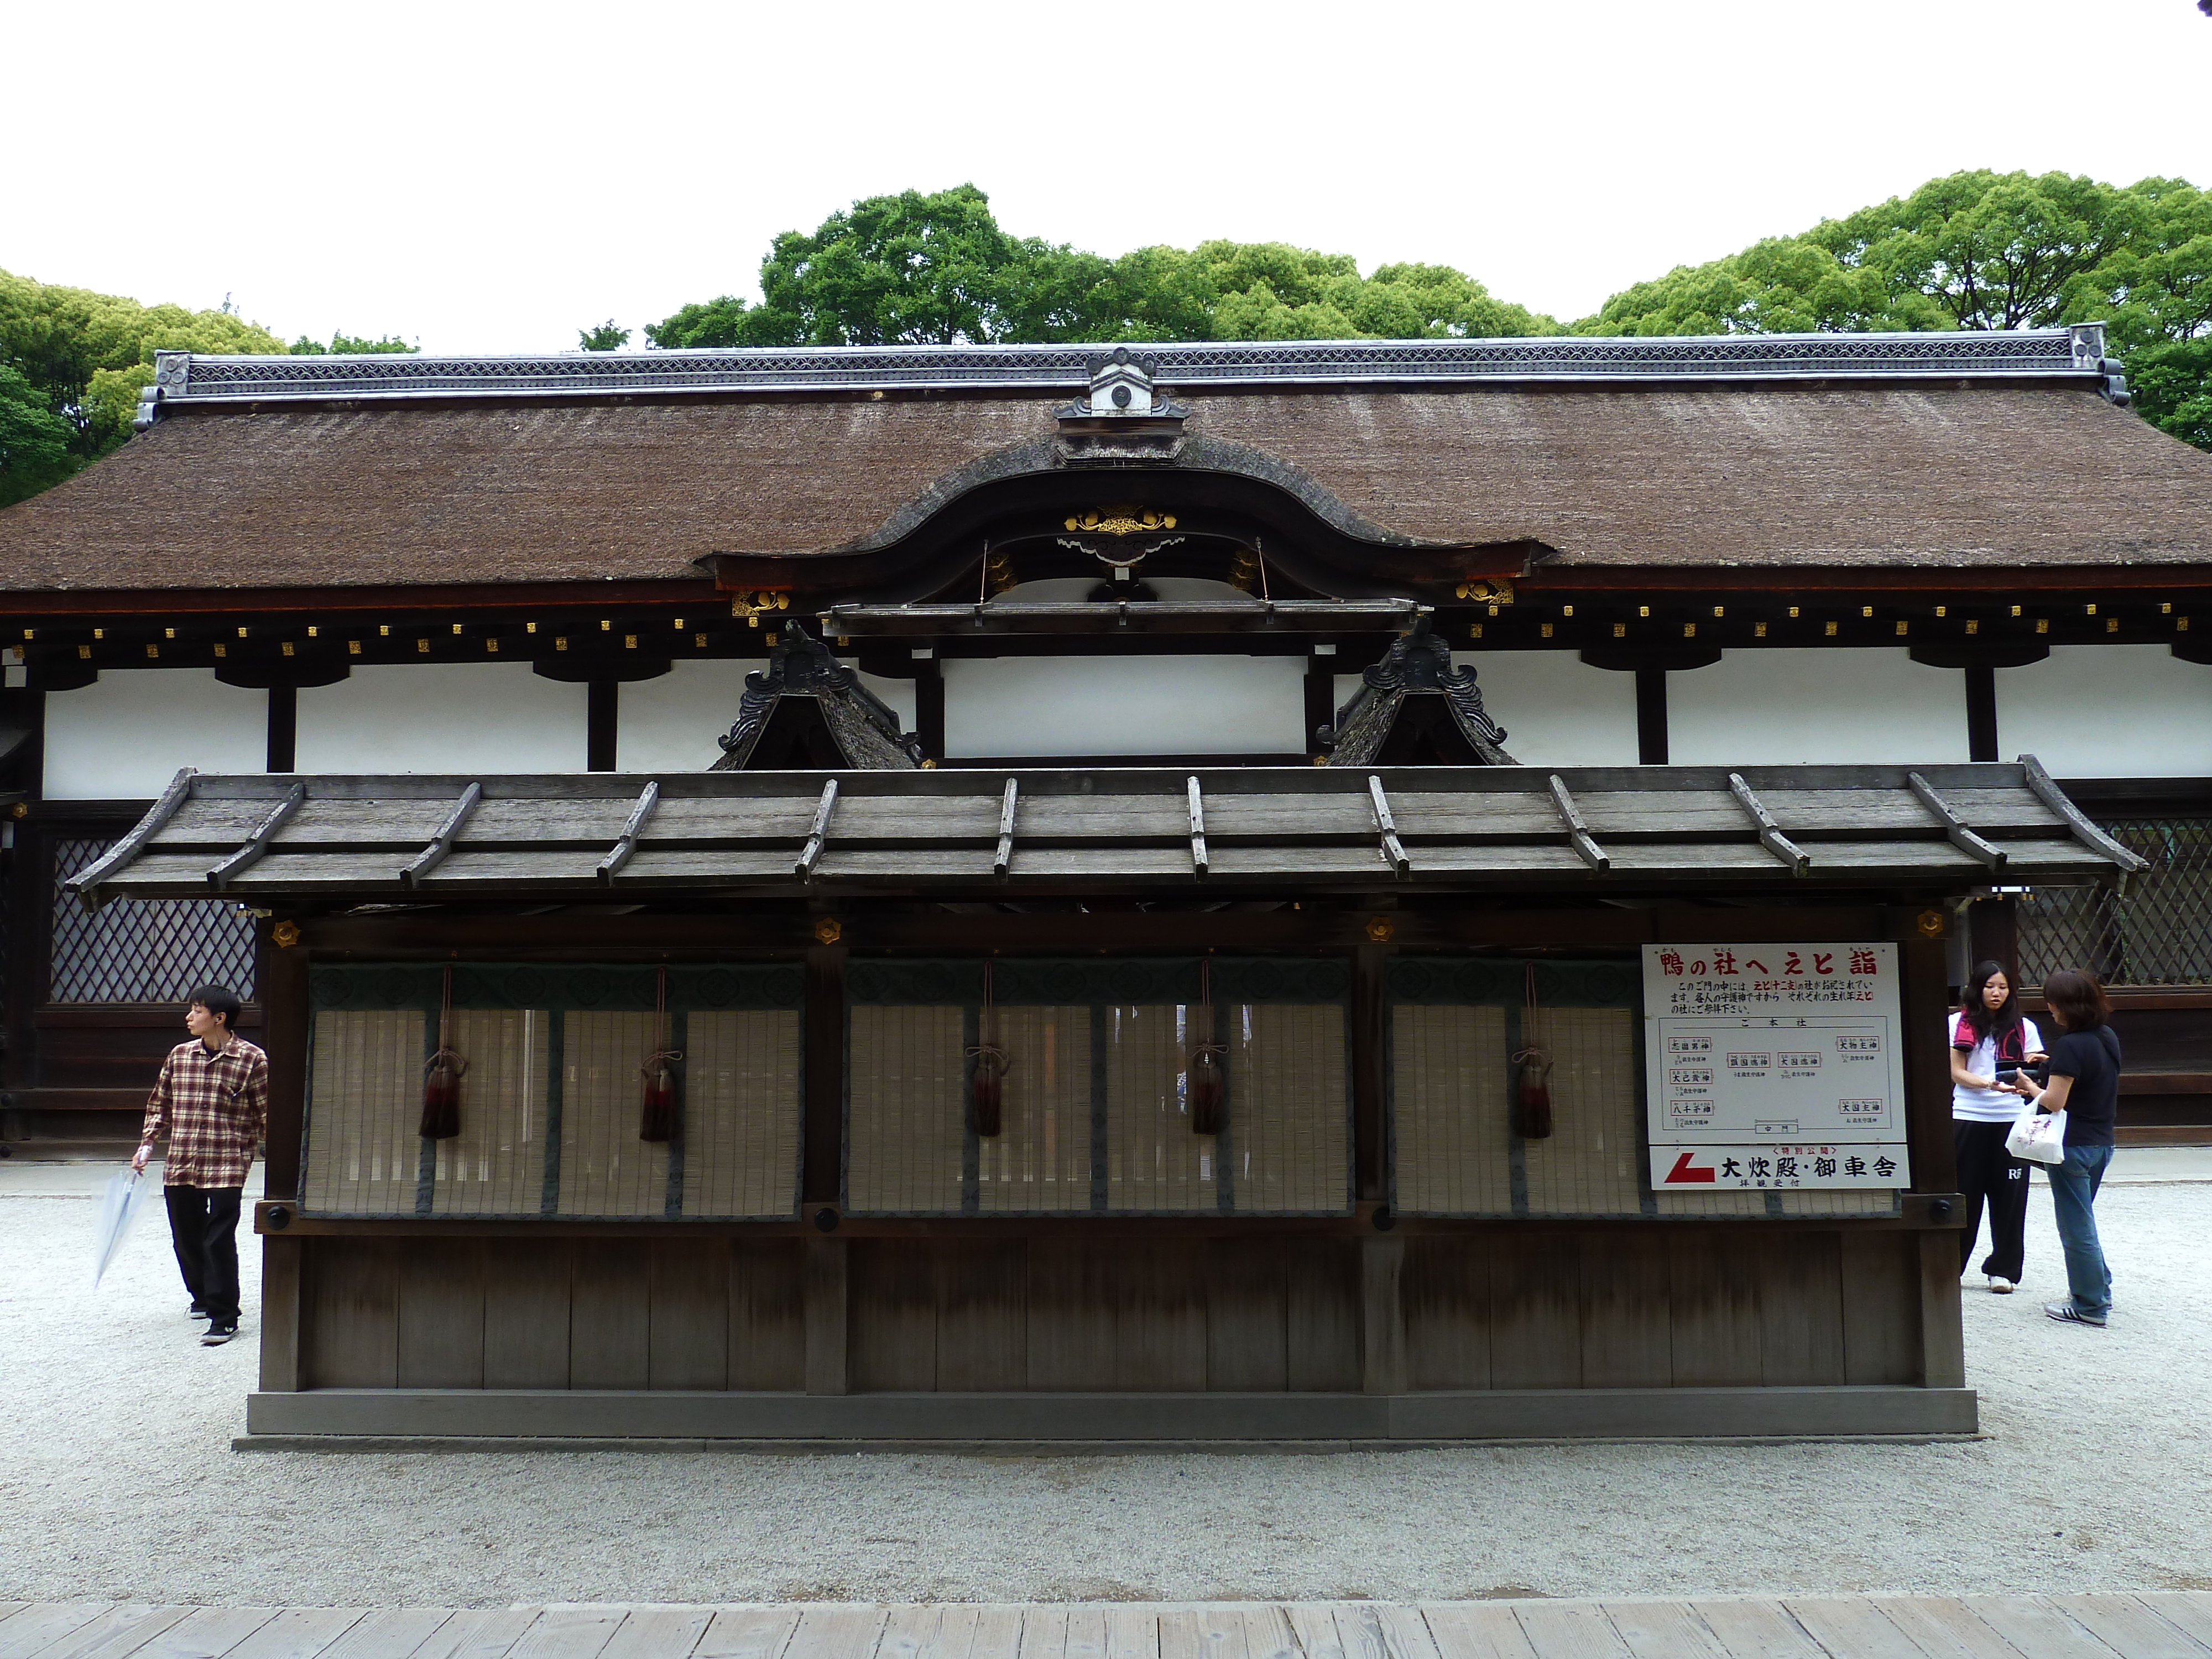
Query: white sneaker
x,y
2000,1286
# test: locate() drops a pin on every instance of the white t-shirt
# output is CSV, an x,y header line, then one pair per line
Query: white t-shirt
x,y
1990,1105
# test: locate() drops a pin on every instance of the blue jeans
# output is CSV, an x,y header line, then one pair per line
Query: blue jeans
x,y
2074,1186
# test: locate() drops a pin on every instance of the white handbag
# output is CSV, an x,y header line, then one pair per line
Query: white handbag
x,y
2038,1136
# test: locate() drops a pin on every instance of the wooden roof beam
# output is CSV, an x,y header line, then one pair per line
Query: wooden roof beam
x,y
1954,827
257,843
1392,848
442,843
1770,833
1198,855
2041,784
817,833
178,792
1578,831
633,827
1003,859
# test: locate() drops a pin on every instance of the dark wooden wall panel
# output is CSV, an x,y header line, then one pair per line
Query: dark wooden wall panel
x,y
1713,1311
1800,1308
442,1314
1322,1314
351,1330
1882,1307
981,1322
527,1312
1159,1316
1247,1326
611,1316
892,1286
280,1315
1535,1311
1071,1317
1446,1289
1627,1328
689,1344
767,1315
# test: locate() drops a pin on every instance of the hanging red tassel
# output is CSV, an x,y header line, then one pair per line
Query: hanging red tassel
x,y
986,1081
1531,1093
656,1120
1208,1074
442,1076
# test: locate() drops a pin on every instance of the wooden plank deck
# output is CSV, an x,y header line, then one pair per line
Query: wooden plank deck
x,y
2142,1624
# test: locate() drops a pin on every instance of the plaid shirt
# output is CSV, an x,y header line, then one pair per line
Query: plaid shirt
x,y
215,1106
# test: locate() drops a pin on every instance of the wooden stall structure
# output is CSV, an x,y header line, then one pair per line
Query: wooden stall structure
x,y
1081,1105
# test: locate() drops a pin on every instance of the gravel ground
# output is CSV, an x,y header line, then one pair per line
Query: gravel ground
x,y
117,1481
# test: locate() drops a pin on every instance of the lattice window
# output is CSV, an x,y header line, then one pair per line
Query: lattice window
x,y
142,950
2160,932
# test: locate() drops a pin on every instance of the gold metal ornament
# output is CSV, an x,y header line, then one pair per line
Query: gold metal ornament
x,y
1122,521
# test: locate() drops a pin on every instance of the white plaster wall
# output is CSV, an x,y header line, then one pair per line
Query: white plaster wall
x,y
442,717
124,736
1134,706
1845,706
2108,711
1557,710
670,724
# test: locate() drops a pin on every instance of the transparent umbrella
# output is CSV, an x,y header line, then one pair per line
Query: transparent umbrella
x,y
121,1201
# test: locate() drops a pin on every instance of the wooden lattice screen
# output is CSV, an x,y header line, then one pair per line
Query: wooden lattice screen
x,y
550,1103
1095,1111
1455,1023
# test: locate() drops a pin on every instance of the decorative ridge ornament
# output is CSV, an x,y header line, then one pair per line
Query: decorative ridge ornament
x,y
1123,418
1419,663
864,729
1121,521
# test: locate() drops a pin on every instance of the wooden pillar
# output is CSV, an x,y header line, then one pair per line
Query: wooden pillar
x,y
283,993
284,727
1926,1006
1981,712
1320,699
280,1313
1370,968
1652,716
929,708
825,1316
823,1179
1993,928
1942,1320
1381,1316
602,709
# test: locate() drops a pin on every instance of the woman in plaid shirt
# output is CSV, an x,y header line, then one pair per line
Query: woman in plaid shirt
x,y
213,1101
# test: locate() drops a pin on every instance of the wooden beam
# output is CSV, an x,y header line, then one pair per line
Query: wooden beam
x,y
1770,833
1197,828
282,986
256,843
2086,833
1954,827
1003,859
442,843
178,792
817,833
1392,848
1578,831
633,827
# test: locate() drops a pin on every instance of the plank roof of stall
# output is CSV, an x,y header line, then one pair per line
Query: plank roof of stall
x,y
259,838
1872,452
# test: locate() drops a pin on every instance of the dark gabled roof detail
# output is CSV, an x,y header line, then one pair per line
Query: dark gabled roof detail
x,y
2077,353
1418,665
1610,830
801,669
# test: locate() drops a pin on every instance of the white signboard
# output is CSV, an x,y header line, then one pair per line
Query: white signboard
x,y
1774,1066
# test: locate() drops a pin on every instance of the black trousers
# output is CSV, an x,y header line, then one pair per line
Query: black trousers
x,y
203,1227
1988,1173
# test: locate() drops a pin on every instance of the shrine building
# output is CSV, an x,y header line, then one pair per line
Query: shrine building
x,y
1355,892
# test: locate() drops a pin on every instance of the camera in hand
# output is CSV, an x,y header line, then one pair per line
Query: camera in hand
x,y
2011,1071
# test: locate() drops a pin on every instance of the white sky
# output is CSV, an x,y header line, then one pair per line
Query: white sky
x,y
491,178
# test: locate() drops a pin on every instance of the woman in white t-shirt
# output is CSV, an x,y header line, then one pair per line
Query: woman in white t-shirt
x,y
1990,1032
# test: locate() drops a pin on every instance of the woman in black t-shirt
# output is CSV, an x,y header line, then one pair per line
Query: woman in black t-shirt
x,y
2085,1084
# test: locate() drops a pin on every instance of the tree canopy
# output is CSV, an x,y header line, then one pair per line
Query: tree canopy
x,y
73,363
937,269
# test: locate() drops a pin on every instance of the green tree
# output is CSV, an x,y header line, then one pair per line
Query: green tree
x,y
2172,387
34,441
352,345
605,337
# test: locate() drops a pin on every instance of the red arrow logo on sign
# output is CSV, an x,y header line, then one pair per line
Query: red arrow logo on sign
x,y
1685,1170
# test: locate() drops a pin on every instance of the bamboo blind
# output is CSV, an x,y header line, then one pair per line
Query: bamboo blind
x,y
1591,1163
364,1102
1039,1161
605,1169
741,1107
1448,1105
1153,1161
1289,1116
496,1164
907,1110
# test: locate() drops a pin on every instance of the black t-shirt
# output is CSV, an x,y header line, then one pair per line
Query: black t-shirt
x,y
2091,1058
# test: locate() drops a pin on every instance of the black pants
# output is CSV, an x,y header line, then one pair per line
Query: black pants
x,y
1987,1171
203,1227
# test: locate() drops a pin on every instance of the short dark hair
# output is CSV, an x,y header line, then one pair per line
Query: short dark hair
x,y
218,999
2077,999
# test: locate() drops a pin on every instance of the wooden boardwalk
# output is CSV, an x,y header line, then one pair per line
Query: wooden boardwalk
x,y
2163,1624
